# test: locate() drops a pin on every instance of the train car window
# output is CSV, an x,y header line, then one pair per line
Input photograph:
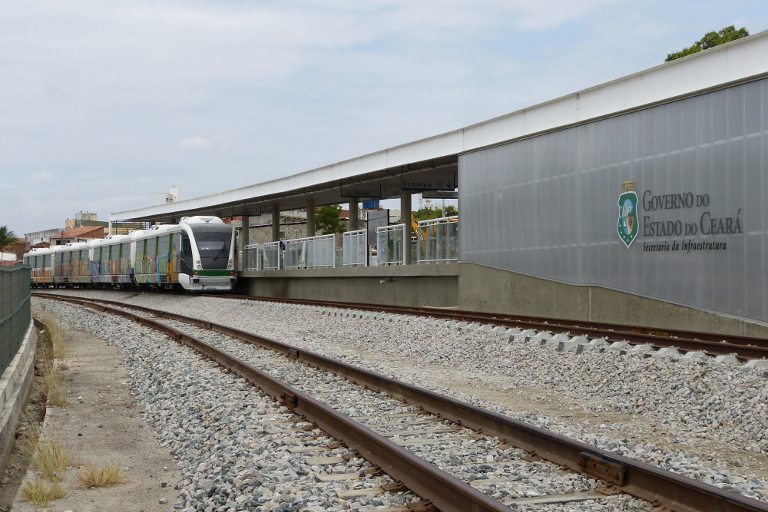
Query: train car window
x,y
151,247
162,245
175,255
186,246
213,243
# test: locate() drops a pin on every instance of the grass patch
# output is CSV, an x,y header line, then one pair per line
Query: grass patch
x,y
55,334
51,457
39,492
55,385
91,476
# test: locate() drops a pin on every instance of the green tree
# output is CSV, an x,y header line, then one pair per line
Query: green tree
x,y
434,213
328,220
7,237
710,40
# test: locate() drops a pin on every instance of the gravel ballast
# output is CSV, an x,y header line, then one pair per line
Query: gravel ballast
x,y
700,418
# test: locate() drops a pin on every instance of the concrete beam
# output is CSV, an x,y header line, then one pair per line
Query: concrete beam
x,y
310,217
15,386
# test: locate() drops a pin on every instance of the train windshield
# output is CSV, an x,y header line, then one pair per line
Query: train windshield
x,y
213,243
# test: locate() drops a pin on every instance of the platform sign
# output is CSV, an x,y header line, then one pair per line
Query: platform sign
x,y
430,180
364,191
375,219
441,194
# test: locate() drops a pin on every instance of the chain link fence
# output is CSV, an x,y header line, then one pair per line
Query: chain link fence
x,y
15,314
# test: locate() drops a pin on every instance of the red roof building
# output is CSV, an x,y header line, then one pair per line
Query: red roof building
x,y
81,234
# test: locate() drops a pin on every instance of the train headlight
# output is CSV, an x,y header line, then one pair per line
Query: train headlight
x,y
230,263
198,265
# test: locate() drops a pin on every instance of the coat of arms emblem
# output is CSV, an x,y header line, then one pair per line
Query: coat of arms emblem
x,y
628,225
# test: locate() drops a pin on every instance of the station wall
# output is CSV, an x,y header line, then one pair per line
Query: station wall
x,y
693,227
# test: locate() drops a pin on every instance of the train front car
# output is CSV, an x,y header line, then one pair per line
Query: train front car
x,y
208,254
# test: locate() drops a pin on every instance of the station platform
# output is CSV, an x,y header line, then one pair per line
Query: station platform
x,y
431,285
472,287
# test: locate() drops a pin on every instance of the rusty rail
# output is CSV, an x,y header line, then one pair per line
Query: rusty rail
x,y
663,488
715,344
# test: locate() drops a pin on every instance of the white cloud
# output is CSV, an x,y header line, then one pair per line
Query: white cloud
x,y
195,143
41,177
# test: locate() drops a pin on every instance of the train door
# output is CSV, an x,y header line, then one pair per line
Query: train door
x,y
175,256
186,264
152,259
163,258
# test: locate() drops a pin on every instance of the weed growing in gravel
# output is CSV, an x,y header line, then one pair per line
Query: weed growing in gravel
x,y
39,492
91,476
51,457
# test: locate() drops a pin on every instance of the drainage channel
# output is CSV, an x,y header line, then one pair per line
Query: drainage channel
x,y
447,421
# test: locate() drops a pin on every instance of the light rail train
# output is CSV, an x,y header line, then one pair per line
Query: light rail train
x,y
198,254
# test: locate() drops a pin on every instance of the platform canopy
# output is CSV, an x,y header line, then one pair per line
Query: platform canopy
x,y
432,163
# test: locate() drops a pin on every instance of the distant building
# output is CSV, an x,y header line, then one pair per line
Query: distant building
x,y
84,219
12,254
85,226
81,234
160,199
38,238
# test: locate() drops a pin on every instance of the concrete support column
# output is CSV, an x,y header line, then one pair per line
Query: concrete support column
x,y
310,217
245,236
275,222
405,217
354,214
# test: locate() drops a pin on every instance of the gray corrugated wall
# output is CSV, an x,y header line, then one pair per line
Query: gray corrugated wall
x,y
547,206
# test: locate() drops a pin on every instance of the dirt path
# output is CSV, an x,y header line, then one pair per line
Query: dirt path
x,y
102,426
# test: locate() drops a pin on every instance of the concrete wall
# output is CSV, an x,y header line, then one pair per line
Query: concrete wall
x,y
499,291
413,285
15,386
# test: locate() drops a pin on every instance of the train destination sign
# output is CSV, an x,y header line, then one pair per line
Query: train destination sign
x,y
691,228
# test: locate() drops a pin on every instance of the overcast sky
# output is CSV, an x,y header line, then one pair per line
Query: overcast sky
x,y
104,103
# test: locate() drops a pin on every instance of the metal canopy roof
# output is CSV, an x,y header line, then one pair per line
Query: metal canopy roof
x,y
258,199
384,171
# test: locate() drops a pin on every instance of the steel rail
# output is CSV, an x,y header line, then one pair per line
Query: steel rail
x,y
716,344
676,492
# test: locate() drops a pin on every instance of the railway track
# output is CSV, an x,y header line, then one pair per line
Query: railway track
x,y
399,425
743,347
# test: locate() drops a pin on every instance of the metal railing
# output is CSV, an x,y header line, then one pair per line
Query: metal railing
x,y
252,257
355,248
15,314
310,252
270,256
390,247
438,240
